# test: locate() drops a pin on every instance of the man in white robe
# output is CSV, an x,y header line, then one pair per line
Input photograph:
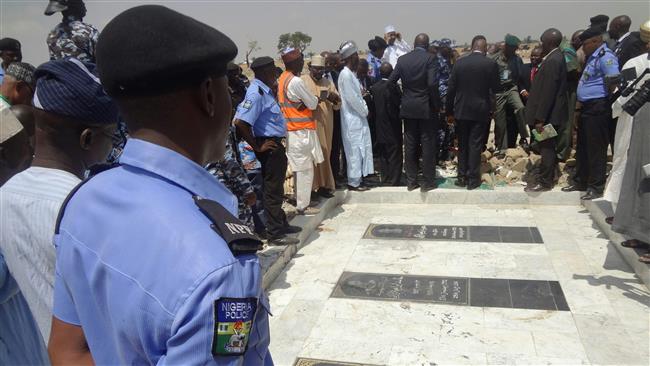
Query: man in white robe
x,y
397,47
354,123
623,132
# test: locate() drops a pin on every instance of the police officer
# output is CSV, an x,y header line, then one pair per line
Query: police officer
x,y
152,266
508,98
260,122
595,119
72,37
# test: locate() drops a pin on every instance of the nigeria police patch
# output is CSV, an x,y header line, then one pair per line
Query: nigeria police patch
x,y
247,104
232,325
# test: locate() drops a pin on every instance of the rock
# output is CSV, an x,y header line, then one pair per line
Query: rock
x,y
485,156
494,163
520,165
487,178
504,172
571,163
485,168
514,176
516,154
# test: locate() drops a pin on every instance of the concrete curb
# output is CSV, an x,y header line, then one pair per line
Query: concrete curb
x,y
274,258
498,196
599,211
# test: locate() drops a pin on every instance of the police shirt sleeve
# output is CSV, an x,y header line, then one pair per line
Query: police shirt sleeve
x,y
219,323
250,109
609,64
63,307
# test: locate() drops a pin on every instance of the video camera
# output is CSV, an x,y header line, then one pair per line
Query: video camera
x,y
626,83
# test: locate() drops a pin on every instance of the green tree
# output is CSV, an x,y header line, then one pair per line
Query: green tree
x,y
298,40
252,47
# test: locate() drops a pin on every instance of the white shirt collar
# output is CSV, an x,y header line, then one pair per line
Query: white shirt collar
x,y
621,38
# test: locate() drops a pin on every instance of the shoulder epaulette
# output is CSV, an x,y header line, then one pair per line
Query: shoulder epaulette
x,y
260,90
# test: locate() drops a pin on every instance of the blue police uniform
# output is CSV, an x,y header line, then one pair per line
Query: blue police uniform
x,y
601,63
142,271
261,110
595,127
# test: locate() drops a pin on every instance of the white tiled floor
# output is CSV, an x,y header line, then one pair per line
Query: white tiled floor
x,y
608,322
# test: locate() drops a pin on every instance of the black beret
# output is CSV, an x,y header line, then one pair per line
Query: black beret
x,y
599,19
261,62
377,43
9,44
590,33
151,50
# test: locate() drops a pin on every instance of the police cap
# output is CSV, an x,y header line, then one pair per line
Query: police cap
x,y
151,49
590,33
261,62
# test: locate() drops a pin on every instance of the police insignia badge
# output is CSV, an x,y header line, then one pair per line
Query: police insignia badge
x,y
609,62
247,104
232,325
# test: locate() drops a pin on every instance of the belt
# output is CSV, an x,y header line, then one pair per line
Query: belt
x,y
272,138
594,101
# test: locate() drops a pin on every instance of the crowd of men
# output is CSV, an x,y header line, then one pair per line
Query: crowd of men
x,y
118,244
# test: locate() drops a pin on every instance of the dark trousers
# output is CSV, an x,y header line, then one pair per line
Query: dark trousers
x,y
593,139
274,169
390,162
471,135
420,132
546,172
257,181
337,155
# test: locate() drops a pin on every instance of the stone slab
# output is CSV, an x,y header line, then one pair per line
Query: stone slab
x,y
477,292
314,362
484,234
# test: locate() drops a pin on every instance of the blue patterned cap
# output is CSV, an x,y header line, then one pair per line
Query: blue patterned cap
x,y
71,88
446,42
434,43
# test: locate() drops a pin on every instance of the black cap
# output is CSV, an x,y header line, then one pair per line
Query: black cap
x,y
9,44
599,19
151,49
261,62
590,33
377,43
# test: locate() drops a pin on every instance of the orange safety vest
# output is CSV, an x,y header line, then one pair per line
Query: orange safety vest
x,y
297,118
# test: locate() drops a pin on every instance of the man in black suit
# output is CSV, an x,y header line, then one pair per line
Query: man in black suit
x,y
470,101
628,44
548,104
387,97
418,71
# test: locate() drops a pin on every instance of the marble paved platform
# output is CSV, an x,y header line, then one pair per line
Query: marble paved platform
x,y
609,306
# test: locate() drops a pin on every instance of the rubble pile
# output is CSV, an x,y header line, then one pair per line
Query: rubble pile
x,y
518,167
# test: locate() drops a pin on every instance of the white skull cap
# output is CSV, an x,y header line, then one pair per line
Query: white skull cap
x,y
347,49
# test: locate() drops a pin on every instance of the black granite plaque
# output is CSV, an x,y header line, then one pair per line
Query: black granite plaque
x,y
480,292
314,362
486,234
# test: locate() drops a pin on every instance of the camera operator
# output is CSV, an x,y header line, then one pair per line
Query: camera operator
x,y
628,184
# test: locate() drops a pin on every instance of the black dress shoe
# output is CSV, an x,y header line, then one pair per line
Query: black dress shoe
x,y
427,188
283,240
574,188
537,188
591,195
471,187
358,189
413,187
325,193
460,182
292,229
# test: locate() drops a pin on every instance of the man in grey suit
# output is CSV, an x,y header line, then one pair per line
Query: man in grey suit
x,y
418,71
470,104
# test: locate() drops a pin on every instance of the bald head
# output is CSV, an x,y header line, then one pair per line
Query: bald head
x,y
619,26
422,40
551,39
385,70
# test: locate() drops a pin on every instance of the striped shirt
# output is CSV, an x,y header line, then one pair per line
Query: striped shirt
x,y
30,203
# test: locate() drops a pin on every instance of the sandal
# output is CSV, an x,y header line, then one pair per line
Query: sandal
x,y
635,244
645,258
